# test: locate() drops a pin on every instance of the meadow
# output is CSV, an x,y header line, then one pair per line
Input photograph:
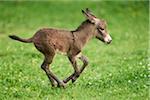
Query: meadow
x,y
118,71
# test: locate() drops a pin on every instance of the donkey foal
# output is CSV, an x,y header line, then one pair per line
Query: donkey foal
x,y
48,41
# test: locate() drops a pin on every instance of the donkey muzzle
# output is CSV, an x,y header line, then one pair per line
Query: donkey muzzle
x,y
108,39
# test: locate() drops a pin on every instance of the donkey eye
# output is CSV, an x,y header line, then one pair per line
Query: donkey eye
x,y
101,28
99,31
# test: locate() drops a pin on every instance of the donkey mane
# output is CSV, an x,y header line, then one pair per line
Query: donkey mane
x,y
82,25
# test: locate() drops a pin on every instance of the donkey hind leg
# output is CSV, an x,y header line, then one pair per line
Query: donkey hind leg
x,y
51,76
73,77
45,66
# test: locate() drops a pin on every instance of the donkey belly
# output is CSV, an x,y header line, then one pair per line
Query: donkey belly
x,y
60,46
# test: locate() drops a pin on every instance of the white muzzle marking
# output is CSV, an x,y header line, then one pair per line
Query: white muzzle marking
x,y
107,39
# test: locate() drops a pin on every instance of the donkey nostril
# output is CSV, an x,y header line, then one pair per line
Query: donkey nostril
x,y
109,41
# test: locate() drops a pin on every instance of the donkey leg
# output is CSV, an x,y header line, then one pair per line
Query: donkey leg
x,y
51,76
68,78
73,76
85,63
45,66
76,69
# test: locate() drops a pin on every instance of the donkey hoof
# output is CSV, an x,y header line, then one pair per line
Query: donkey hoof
x,y
74,79
65,81
62,84
54,85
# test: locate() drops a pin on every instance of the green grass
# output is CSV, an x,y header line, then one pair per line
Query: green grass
x,y
116,72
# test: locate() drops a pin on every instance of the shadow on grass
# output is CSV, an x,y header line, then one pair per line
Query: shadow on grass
x,y
6,54
32,54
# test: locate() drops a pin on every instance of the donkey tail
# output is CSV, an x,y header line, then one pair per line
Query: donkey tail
x,y
14,37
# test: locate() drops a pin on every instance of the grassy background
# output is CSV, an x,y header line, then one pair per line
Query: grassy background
x,y
116,71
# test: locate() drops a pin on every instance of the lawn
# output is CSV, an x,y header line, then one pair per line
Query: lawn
x,y
116,72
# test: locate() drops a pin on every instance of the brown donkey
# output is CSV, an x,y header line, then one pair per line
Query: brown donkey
x,y
48,41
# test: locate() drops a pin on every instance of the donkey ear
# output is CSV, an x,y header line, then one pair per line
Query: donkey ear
x,y
90,12
89,16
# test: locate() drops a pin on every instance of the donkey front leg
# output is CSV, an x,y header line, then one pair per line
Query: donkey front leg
x,y
76,69
76,73
51,76
73,76
85,63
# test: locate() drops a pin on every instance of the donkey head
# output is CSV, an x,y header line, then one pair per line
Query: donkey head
x,y
100,26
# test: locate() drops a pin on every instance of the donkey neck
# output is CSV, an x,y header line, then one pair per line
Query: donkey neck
x,y
84,32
